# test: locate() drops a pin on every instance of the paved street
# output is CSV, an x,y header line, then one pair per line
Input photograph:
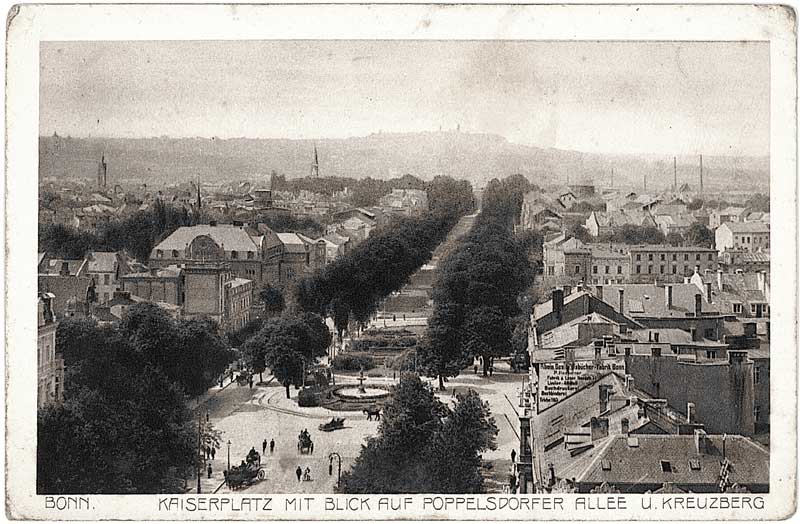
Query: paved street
x,y
247,417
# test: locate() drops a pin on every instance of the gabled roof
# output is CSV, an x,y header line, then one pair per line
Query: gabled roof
x,y
292,243
75,267
649,300
747,227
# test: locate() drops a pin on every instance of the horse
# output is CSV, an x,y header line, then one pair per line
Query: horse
x,y
373,412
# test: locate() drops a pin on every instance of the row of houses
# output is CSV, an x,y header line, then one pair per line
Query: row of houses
x,y
643,388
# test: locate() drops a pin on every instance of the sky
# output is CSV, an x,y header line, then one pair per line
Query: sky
x,y
600,97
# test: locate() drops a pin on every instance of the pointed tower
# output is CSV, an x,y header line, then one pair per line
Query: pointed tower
x,y
315,165
199,201
102,170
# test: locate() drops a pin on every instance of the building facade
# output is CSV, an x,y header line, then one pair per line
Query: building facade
x,y
746,236
50,365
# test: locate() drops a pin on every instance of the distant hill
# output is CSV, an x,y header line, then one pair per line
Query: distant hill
x,y
472,156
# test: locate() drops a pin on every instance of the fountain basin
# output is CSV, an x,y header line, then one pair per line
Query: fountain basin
x,y
354,393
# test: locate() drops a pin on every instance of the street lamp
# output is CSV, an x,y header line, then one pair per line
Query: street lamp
x,y
229,455
199,450
330,468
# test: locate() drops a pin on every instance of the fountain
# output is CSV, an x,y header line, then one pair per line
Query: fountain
x,y
361,393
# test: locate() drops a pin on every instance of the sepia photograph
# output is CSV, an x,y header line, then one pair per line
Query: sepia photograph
x,y
524,269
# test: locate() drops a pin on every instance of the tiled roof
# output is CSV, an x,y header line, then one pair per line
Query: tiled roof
x,y
292,243
54,266
649,300
747,227
640,461
233,238
545,308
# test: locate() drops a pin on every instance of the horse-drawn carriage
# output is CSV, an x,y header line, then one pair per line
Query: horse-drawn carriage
x,y
304,443
247,473
335,423
244,378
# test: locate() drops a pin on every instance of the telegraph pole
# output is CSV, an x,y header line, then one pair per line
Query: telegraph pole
x,y
199,451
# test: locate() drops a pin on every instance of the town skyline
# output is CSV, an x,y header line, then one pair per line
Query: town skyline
x,y
659,98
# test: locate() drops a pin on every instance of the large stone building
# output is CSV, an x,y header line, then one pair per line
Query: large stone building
x,y
106,269
211,290
50,365
156,285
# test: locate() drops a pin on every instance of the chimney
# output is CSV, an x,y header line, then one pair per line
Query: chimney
x,y
708,292
698,305
690,412
599,428
598,349
622,301
605,396
737,357
649,336
700,441
600,292
64,268
154,271
668,296
655,352
695,334
567,290
558,302
655,337
630,383
719,279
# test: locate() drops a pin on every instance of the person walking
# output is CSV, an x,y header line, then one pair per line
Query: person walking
x,y
209,471
513,456
213,452
299,473
271,446
264,447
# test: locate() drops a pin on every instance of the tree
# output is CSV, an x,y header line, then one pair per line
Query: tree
x,y
699,235
424,447
487,334
674,239
272,298
441,354
580,232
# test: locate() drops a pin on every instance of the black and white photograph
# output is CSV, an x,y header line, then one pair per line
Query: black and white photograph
x,y
526,270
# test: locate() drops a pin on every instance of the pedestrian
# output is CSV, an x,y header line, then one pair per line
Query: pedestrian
x,y
476,369
307,475
251,382
514,456
271,446
213,452
209,471
299,473
264,447
208,452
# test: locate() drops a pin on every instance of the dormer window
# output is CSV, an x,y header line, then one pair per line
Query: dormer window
x,y
159,253
234,255
174,253
666,466
250,255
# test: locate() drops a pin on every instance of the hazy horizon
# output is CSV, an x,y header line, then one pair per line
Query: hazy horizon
x,y
652,98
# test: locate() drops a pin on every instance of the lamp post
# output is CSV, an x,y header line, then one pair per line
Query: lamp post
x,y
229,455
199,450
330,467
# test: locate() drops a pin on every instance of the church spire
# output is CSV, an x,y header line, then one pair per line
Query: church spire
x,y
315,165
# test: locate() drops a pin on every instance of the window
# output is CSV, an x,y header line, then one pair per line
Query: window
x,y
685,269
756,374
551,270
650,257
666,466
674,257
250,255
234,255
638,268
650,268
106,279
674,270
159,253
756,413
607,270
174,253
606,465
577,269
105,297
638,257
697,257
708,333
694,464
594,270
737,308
710,257
661,269
663,257
711,353
752,309
619,270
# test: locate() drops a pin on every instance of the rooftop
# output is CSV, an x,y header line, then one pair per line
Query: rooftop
x,y
231,238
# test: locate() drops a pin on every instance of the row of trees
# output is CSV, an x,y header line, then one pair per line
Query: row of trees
x,y
696,235
354,284
475,295
423,446
124,426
